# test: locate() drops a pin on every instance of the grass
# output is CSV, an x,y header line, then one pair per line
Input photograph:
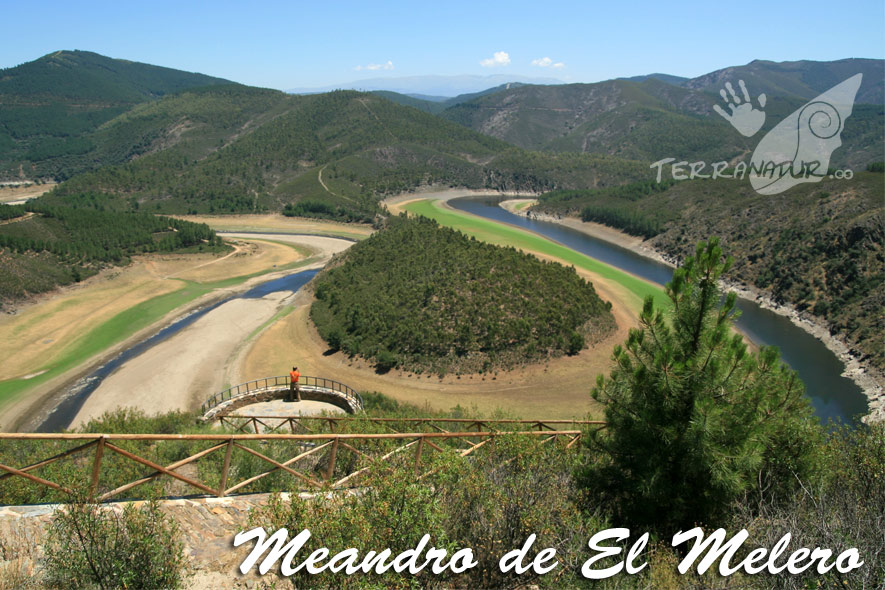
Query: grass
x,y
128,322
506,235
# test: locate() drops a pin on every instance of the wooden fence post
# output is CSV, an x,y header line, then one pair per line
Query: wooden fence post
x,y
332,456
96,467
418,452
225,471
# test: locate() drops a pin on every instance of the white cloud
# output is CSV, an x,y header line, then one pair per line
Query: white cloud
x,y
501,58
388,65
546,62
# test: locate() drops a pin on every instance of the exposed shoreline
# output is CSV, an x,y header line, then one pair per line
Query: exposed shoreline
x,y
29,411
867,378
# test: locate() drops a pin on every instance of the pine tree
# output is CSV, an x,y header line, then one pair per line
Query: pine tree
x,y
694,420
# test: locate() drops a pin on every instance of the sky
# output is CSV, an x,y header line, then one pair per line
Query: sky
x,y
295,44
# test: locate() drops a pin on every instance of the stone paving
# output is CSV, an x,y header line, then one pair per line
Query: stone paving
x,y
286,409
280,408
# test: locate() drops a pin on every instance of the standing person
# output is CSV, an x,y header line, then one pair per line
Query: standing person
x,y
294,387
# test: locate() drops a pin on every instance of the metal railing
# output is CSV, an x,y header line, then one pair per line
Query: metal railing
x,y
282,382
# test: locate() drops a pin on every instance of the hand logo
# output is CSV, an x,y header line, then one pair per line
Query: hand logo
x,y
744,117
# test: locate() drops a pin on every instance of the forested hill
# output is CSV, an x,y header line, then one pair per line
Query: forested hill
x,y
427,298
239,149
42,247
820,247
52,104
803,79
650,119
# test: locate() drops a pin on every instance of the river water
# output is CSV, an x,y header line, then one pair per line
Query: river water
x,y
832,395
63,413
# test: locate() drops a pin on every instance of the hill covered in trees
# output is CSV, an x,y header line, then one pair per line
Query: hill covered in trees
x,y
236,149
649,118
820,247
427,298
51,107
42,247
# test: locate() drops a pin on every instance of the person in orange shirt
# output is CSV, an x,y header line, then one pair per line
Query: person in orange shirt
x,y
294,387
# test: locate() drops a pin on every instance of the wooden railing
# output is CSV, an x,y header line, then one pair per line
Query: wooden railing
x,y
317,424
234,462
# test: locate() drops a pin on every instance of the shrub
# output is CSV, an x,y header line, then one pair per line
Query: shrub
x,y
90,545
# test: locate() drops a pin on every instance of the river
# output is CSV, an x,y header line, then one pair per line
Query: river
x,y
833,396
63,413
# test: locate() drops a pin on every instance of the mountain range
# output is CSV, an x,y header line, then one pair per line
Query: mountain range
x,y
430,87
165,132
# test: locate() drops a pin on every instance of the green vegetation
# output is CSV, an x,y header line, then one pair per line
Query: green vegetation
x,y
124,325
55,246
494,499
505,235
100,236
695,421
648,119
819,246
428,298
53,107
323,210
90,545
490,503
225,149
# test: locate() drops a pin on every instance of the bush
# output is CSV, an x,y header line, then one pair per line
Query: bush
x,y
843,509
90,545
490,502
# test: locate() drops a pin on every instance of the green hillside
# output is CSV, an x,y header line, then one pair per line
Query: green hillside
x,y
818,246
237,149
799,79
51,105
429,298
43,247
436,105
636,120
649,119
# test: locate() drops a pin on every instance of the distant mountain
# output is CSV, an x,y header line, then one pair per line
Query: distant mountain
x,y
638,120
51,104
668,78
437,86
799,79
435,105
652,119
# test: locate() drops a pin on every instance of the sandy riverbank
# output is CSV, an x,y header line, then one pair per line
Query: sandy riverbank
x,y
868,378
49,327
182,372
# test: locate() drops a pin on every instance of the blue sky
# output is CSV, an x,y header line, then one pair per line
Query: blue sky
x,y
306,44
